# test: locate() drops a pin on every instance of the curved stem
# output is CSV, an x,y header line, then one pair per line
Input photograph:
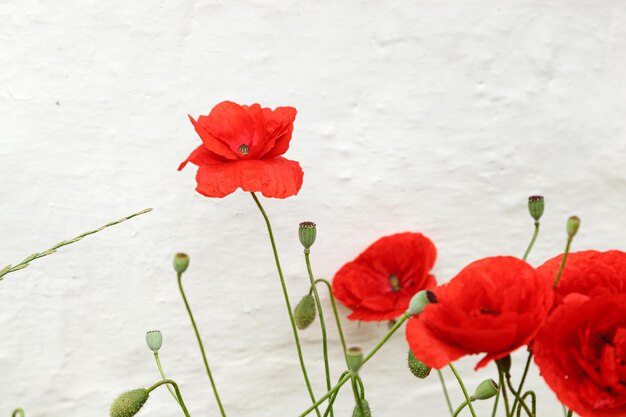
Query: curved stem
x,y
204,359
158,363
522,404
532,241
462,385
318,303
461,407
175,385
10,268
533,396
524,375
445,391
332,300
504,395
18,412
346,375
286,295
495,403
357,398
333,397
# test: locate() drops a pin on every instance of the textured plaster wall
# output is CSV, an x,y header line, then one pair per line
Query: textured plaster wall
x,y
432,116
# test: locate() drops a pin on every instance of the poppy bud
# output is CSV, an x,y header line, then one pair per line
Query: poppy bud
x,y
305,312
485,390
181,262
366,409
504,364
307,233
154,339
573,224
354,358
417,367
420,300
129,403
535,206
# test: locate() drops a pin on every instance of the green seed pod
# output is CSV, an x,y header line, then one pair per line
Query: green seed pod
x,y
154,339
305,312
573,224
129,403
354,357
181,262
485,390
417,367
366,409
535,206
307,232
420,301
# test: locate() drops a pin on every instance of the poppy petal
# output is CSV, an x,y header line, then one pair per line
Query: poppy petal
x,y
200,156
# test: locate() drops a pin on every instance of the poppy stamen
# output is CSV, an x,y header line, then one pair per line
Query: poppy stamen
x,y
395,283
244,149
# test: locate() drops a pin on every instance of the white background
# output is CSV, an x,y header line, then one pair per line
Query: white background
x,y
432,116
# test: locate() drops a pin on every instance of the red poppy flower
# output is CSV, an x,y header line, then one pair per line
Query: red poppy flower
x,y
242,148
380,282
581,352
493,306
588,272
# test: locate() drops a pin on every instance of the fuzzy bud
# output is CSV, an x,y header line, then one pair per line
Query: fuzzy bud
x,y
535,206
305,312
366,409
573,224
154,339
420,301
354,358
485,390
417,367
307,232
129,403
181,262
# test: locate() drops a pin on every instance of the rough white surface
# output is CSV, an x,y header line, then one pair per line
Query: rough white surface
x,y
434,116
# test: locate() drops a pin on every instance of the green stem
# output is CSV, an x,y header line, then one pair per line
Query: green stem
x,y
462,385
175,385
563,260
357,398
204,359
461,407
495,403
532,241
318,303
533,403
336,314
570,413
163,377
289,311
524,375
333,397
504,395
10,268
346,375
18,411
519,399
445,391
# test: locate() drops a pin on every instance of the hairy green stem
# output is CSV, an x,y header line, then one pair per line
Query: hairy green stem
x,y
563,260
162,373
10,268
289,311
518,398
336,314
462,385
570,413
357,398
18,412
495,403
178,394
461,407
346,376
445,391
318,303
533,411
504,395
333,397
200,344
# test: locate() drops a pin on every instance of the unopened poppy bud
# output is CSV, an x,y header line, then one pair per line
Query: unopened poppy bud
x,y
307,233
354,358
305,312
420,301
181,262
154,339
129,403
485,390
535,206
366,409
504,364
417,367
573,224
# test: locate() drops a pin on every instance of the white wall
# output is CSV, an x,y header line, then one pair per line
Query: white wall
x,y
433,116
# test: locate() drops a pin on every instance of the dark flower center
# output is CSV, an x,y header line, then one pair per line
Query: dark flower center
x,y
244,149
395,283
